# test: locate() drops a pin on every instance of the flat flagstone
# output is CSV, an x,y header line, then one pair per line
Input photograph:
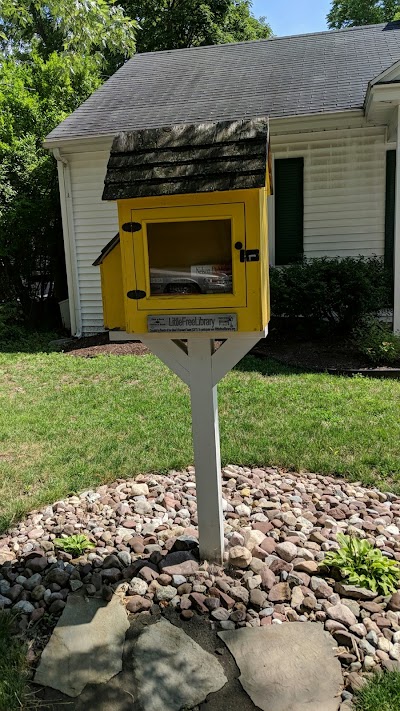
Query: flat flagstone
x,y
172,671
86,645
288,667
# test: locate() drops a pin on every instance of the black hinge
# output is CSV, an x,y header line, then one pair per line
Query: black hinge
x,y
249,255
131,227
136,294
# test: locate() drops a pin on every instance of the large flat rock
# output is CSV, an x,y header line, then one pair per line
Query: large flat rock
x,y
86,645
172,671
289,667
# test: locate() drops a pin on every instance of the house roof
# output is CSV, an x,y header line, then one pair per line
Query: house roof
x,y
188,158
280,77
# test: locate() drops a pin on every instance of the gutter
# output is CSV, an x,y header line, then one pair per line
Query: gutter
x,y
64,181
85,140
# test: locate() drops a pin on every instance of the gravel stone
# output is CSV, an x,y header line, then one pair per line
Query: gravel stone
x,y
220,614
165,593
279,593
24,606
258,598
239,557
253,538
138,586
139,490
394,602
136,603
343,614
278,527
4,602
286,551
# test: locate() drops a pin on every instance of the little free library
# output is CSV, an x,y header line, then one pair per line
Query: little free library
x,y
190,171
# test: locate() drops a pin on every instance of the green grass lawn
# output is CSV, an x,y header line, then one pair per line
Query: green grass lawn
x,y
382,693
13,667
69,423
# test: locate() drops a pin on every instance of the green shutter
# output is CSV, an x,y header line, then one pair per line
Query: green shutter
x,y
289,210
389,207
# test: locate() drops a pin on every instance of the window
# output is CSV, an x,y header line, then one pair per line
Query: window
x,y
190,257
289,210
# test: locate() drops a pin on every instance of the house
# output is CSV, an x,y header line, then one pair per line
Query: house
x,y
333,101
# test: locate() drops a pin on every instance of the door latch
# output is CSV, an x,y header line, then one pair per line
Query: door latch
x,y
136,294
131,227
249,255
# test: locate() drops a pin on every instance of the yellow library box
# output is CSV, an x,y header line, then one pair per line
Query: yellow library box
x,y
191,254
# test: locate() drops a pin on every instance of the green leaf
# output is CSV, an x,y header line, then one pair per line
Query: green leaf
x,y
360,563
75,544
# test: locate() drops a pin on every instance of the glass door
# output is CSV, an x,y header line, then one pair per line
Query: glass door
x,y
189,257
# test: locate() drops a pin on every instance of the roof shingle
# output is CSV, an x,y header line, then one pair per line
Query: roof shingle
x,y
280,77
188,158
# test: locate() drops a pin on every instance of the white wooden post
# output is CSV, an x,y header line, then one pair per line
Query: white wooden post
x,y
207,459
201,367
396,303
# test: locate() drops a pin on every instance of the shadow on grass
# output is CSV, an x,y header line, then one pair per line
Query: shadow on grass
x,y
267,366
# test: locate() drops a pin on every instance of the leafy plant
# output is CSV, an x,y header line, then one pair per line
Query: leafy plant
x,y
376,341
360,563
335,292
76,544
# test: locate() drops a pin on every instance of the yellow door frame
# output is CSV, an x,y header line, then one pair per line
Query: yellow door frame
x,y
235,212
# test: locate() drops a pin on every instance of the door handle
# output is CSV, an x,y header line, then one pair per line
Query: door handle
x,y
249,255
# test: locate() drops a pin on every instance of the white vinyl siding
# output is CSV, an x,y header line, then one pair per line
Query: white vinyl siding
x,y
344,198
95,223
344,190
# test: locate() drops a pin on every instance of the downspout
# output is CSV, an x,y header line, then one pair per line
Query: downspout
x,y
396,305
64,181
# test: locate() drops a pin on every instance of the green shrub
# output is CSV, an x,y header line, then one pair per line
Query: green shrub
x,y
376,342
76,545
338,292
360,563
15,335
11,322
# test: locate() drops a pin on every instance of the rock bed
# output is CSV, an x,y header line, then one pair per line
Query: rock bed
x,y
278,527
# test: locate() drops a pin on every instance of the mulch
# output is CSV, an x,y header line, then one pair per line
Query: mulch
x,y
311,354
93,346
319,354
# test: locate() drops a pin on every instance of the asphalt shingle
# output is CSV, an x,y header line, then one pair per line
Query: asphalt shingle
x,y
188,158
281,77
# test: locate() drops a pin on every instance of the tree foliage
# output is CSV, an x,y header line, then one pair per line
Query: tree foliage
x,y
352,13
174,24
35,95
53,55
88,27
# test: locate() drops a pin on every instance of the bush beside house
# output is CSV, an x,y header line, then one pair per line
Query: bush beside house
x,y
336,292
